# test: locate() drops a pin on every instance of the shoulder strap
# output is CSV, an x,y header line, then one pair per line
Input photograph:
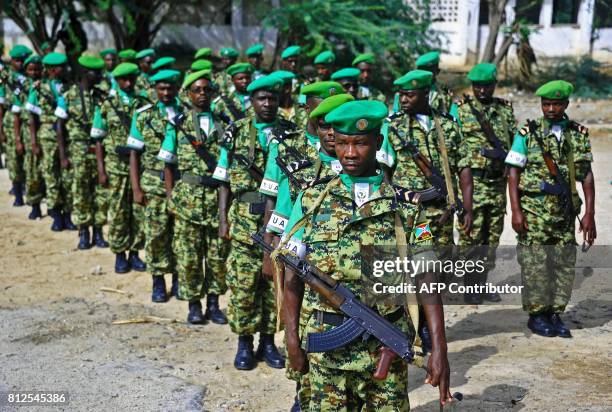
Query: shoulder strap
x,y
445,163
252,140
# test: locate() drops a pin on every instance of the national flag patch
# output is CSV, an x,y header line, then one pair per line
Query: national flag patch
x,y
422,232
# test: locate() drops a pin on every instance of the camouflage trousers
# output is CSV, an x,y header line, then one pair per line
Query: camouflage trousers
x,y
58,181
252,307
547,255
158,229
302,379
89,199
442,232
126,219
35,184
14,161
201,259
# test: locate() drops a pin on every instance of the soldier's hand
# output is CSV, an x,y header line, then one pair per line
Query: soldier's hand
x,y
103,179
468,222
36,149
139,197
588,229
519,223
64,163
19,148
438,375
297,357
224,230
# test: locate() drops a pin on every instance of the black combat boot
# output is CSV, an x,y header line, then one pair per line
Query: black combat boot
x,y
195,316
84,241
175,284
296,400
268,352
18,192
58,222
557,323
121,263
245,359
68,225
135,262
159,289
35,213
213,313
98,237
540,325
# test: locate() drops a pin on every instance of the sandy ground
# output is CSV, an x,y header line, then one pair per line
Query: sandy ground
x,y
57,332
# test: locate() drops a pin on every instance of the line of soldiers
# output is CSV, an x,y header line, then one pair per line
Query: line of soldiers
x,y
188,167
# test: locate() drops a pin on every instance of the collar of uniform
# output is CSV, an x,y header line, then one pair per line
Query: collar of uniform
x,y
313,140
125,95
261,126
374,182
563,122
325,158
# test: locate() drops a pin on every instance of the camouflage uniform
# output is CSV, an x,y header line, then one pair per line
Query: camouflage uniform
x,y
126,218
35,186
295,114
331,239
43,101
224,81
370,93
143,84
233,106
440,97
15,97
89,199
403,128
489,182
252,306
194,205
546,252
146,136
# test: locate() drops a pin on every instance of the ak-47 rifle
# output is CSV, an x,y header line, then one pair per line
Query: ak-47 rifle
x,y
299,162
254,170
498,152
200,149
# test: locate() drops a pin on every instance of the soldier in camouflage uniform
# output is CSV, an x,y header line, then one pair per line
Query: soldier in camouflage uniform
x,y
223,80
145,59
252,304
110,62
237,104
89,197
290,61
35,187
349,79
543,219
191,148
365,63
477,117
53,140
3,108
14,121
324,230
110,129
288,108
147,133
324,63
254,56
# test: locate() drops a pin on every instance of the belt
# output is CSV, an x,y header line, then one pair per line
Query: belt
x,y
251,197
487,174
198,180
337,319
157,173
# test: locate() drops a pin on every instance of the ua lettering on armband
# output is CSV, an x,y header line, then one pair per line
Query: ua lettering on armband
x,y
135,143
296,247
96,133
60,113
277,223
221,173
166,156
384,158
15,109
269,187
515,158
32,108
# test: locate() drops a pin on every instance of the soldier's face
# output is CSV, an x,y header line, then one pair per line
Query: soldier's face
x,y
554,109
241,81
324,71
201,93
366,72
17,64
255,60
110,61
127,83
326,136
228,61
34,71
145,64
265,104
166,92
93,77
413,100
350,86
357,153
55,72
290,64
484,91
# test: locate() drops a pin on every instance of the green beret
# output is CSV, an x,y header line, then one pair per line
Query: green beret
x,y
255,50
322,90
285,75
556,90
483,73
144,53
166,76
108,51
55,59
269,83
91,62
346,73
358,117
364,57
330,103
291,51
228,52
415,79
125,69
19,51
195,76
127,54
428,59
203,52
32,58
237,68
201,64
44,45
325,57
162,62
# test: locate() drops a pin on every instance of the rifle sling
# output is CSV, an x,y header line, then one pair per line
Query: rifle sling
x,y
485,125
445,163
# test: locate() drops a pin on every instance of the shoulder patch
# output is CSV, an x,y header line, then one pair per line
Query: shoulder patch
x,y
422,232
578,127
524,131
143,108
394,116
406,195
446,115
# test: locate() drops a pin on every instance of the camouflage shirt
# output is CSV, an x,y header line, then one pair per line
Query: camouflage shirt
x,y
233,106
43,100
370,93
80,108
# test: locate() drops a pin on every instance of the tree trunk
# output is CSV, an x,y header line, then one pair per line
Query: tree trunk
x,y
496,14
